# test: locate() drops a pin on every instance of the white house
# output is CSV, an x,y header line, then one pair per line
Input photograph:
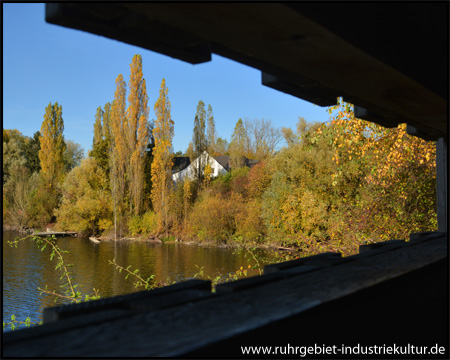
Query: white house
x,y
183,168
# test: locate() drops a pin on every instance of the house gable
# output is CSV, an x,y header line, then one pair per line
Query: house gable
x,y
224,161
183,168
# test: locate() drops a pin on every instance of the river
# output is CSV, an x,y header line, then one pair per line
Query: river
x,y
26,268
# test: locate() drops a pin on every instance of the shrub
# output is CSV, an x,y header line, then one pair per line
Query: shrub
x,y
213,218
259,178
145,224
149,222
134,225
239,180
85,202
249,224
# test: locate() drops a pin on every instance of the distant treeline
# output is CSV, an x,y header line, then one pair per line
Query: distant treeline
x,y
331,187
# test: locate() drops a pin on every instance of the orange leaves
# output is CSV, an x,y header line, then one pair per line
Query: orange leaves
x,y
128,132
259,178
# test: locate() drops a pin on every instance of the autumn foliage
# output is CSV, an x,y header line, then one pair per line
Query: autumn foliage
x,y
163,133
334,185
391,174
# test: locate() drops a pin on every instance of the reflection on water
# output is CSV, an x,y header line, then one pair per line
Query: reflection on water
x,y
26,268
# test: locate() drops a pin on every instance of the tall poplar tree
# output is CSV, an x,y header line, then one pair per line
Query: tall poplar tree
x,y
211,131
106,125
102,137
98,128
51,153
118,155
199,139
33,145
238,145
138,132
163,133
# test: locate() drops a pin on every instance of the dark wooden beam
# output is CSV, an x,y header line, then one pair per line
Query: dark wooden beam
x,y
302,89
302,49
442,184
116,21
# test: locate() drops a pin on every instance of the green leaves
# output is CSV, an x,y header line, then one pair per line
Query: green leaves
x,y
14,323
147,284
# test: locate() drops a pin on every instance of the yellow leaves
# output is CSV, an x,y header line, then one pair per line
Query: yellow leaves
x,y
162,162
207,175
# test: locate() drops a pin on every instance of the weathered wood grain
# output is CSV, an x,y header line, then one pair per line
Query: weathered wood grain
x,y
325,259
56,313
383,246
247,283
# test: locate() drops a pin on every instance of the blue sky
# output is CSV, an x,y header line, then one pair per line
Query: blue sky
x,y
45,63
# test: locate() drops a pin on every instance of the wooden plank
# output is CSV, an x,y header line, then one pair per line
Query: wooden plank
x,y
80,321
165,301
56,313
180,329
425,236
383,245
328,258
308,91
250,282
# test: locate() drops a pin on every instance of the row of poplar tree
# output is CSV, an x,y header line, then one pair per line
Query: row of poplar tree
x,y
131,155
334,185
128,171
45,178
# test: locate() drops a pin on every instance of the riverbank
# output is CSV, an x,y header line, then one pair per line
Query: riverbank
x,y
156,239
22,230
231,245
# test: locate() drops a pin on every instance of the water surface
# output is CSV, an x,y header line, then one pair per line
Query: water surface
x,y
26,268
